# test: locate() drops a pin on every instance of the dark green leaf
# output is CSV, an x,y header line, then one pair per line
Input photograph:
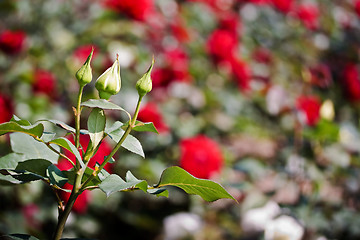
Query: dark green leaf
x,y
21,175
56,176
31,148
178,177
18,236
37,166
33,130
96,125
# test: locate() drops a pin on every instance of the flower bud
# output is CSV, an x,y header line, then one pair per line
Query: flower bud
x,y
109,83
144,84
84,74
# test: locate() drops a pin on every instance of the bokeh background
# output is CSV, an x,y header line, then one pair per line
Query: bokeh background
x,y
261,96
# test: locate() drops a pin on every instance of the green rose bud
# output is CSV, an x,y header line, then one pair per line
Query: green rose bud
x,y
109,83
84,74
144,84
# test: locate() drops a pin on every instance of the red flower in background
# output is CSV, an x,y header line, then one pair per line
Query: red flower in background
x,y
138,10
176,68
351,82
283,5
309,109
81,53
12,42
320,76
82,201
241,73
201,156
230,22
44,82
357,7
221,44
262,55
6,109
309,15
179,30
150,113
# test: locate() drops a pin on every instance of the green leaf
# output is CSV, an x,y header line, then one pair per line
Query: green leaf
x,y
160,192
10,161
65,143
21,175
37,166
31,148
33,130
131,179
20,121
130,143
18,236
56,176
114,183
59,124
96,126
142,127
178,177
103,104
103,173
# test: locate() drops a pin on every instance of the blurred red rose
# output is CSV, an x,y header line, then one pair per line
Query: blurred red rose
x,y
217,5
357,7
241,72
82,201
30,212
283,5
230,22
150,113
179,30
351,82
309,109
44,82
262,55
308,15
138,10
81,53
176,68
221,44
320,76
12,42
6,109
201,156
257,2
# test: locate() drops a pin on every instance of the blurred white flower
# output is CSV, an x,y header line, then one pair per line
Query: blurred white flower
x,y
276,100
255,220
181,225
337,155
350,137
284,228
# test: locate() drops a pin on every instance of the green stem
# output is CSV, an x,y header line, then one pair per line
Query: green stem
x,y
77,117
64,216
75,192
118,145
